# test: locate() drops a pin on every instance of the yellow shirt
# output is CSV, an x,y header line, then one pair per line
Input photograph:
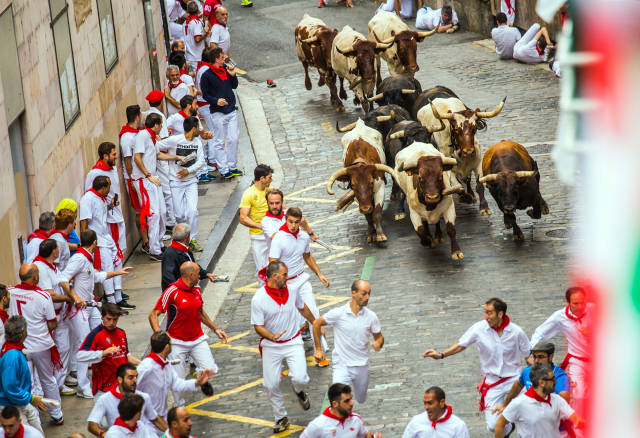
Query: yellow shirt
x,y
255,201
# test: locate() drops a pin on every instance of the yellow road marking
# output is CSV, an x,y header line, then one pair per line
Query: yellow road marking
x,y
333,216
251,287
238,347
225,393
241,419
331,303
297,192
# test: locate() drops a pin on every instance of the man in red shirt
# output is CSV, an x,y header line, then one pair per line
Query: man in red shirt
x,y
209,11
182,301
105,348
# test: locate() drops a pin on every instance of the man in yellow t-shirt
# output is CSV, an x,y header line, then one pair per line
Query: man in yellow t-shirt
x,y
253,207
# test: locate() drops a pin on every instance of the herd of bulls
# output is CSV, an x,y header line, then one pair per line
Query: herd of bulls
x,y
425,140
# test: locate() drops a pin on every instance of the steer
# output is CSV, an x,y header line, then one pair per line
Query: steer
x,y
353,59
313,47
364,168
400,90
458,140
514,182
387,27
422,173
381,119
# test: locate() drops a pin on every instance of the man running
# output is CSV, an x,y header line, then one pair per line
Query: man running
x,y
437,421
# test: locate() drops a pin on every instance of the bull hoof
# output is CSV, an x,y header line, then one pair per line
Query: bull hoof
x,y
438,240
467,198
485,212
531,214
356,101
457,255
399,216
307,85
518,237
393,196
428,243
369,239
343,95
381,238
340,109
321,81
545,209
508,226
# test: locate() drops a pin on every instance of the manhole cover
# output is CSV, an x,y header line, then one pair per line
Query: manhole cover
x,y
559,233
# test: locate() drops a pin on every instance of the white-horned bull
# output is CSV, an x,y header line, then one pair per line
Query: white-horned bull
x,y
513,179
353,59
363,159
422,172
313,47
381,119
457,140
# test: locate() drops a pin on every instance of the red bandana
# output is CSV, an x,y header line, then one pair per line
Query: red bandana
x,y
127,129
102,165
189,19
27,286
280,216
171,86
62,233
152,134
505,322
11,346
179,246
20,432
120,422
219,71
182,72
115,390
534,395
183,114
572,317
443,419
202,64
540,52
53,267
39,234
85,253
286,230
327,413
4,315
95,192
157,359
280,296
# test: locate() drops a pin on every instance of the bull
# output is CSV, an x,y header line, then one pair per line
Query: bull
x,y
313,47
381,119
353,59
363,159
458,141
426,96
422,172
399,90
513,179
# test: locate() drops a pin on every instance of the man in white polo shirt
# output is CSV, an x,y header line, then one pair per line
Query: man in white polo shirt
x,y
195,34
338,420
537,413
275,315
220,36
352,323
501,347
175,90
437,421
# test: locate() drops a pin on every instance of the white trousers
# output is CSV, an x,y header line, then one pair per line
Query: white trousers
x,y
206,115
41,362
406,8
302,286
200,354
107,254
272,357
122,244
29,415
81,323
185,201
495,397
155,221
225,127
356,377
577,372
168,212
62,338
260,252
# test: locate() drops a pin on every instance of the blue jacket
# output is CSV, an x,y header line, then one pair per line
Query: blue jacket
x,y
562,380
214,88
15,379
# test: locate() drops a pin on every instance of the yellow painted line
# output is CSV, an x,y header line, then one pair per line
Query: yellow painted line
x,y
238,347
341,254
225,393
334,216
247,420
300,199
231,339
251,287
297,192
331,303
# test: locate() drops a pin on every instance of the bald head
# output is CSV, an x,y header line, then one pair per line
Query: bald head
x,y
359,285
222,15
29,273
360,293
190,273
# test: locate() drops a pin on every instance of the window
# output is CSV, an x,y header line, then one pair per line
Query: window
x,y
9,68
64,61
107,31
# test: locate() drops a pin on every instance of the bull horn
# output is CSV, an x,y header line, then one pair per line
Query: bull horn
x,y
449,160
333,179
493,113
408,91
385,168
343,53
376,97
355,83
429,33
347,128
436,114
391,115
310,40
451,190
396,135
383,45
525,173
489,178
389,41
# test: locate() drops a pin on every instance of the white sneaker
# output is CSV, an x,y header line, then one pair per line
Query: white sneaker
x,y
71,381
83,394
65,390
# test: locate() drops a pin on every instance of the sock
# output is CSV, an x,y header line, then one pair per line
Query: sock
x,y
111,298
118,295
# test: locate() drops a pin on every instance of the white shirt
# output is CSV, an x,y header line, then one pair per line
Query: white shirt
x,y
175,123
277,318
127,144
406,8
221,37
63,250
505,38
144,145
500,356
93,209
114,215
164,133
177,93
199,72
49,279
327,426
106,406
157,382
270,226
29,432
33,248
193,50
289,250
536,419
420,427
187,79
142,431
560,322
427,18
84,276
351,334
37,308
179,145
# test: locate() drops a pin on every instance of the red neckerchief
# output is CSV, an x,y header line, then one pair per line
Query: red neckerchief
x,y
120,422
152,134
27,286
157,359
534,395
572,317
540,52
219,71
183,286
510,9
95,192
189,19
62,233
280,296
443,419
505,323
11,346
127,129
4,315
85,253
286,230
171,86
280,216
563,16
53,267
183,114
102,165
40,234
182,72
327,413
202,64
179,246
115,390
20,432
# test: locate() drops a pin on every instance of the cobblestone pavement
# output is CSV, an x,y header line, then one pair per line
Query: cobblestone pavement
x,y
423,299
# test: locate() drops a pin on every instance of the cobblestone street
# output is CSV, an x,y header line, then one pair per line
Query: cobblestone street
x,y
422,298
